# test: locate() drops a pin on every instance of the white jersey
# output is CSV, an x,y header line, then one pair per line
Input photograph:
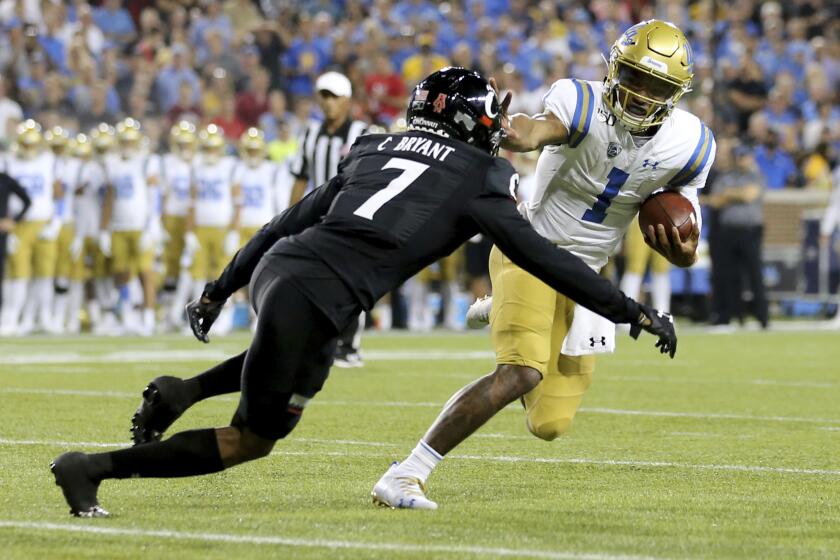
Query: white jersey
x,y
67,171
589,190
37,176
214,191
260,192
92,183
176,178
134,200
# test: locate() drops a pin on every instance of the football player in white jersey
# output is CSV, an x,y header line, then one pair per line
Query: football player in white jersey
x,y
95,264
131,227
262,193
67,171
212,234
32,244
176,178
606,147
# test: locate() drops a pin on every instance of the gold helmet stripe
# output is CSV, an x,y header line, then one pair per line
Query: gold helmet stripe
x,y
583,113
698,159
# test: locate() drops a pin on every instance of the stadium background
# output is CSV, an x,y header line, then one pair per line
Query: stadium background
x,y
767,77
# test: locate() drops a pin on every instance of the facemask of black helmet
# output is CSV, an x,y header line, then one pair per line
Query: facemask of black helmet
x,y
457,103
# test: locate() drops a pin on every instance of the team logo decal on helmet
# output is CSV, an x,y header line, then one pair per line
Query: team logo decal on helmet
x,y
440,103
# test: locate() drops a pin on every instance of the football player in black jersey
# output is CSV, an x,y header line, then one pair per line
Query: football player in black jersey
x,y
399,202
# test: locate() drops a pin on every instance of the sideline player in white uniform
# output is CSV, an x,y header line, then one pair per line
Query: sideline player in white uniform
x,y
213,220
262,193
176,181
606,148
66,286
32,244
131,227
101,299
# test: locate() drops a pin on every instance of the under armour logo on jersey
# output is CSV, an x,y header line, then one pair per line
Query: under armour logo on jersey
x,y
613,149
593,341
440,103
605,116
649,163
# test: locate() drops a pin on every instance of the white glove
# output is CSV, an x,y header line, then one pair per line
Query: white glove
x,y
76,247
231,242
50,231
11,244
105,243
150,236
191,245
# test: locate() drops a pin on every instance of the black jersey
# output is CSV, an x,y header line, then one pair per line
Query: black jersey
x,y
399,203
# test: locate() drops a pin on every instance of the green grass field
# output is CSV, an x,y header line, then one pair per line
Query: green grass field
x,y
730,451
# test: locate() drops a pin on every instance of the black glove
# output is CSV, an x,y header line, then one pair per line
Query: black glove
x,y
202,313
658,323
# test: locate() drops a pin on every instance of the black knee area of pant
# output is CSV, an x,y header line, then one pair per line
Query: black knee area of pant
x,y
238,421
276,425
290,420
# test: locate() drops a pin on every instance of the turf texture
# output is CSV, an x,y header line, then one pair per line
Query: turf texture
x,y
729,451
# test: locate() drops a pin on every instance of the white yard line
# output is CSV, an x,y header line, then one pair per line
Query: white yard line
x,y
276,540
680,380
707,415
157,356
165,356
431,404
489,458
126,443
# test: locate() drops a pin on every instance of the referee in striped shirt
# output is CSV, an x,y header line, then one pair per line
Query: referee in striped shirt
x,y
322,147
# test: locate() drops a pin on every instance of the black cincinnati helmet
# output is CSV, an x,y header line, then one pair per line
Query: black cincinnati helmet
x,y
458,103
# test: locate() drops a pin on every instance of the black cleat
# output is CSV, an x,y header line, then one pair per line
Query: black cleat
x,y
72,474
164,400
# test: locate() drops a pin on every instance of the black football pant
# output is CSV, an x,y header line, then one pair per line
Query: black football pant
x,y
739,260
289,358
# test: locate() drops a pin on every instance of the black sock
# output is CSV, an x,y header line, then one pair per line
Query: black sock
x,y
190,453
219,380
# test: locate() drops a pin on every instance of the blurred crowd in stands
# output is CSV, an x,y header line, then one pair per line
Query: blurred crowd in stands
x,y
767,76
767,72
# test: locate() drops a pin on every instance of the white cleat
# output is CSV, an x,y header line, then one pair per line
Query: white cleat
x,y
478,315
402,492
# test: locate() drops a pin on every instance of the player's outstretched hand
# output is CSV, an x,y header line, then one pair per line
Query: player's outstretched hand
x,y
202,313
657,323
510,134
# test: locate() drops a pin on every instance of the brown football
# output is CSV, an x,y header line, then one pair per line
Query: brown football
x,y
669,209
